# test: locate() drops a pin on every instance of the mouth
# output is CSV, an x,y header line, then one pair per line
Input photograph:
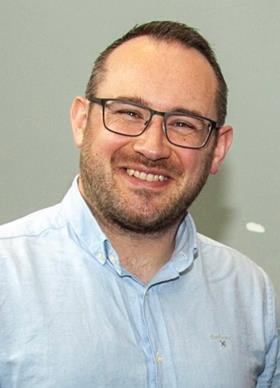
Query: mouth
x,y
148,177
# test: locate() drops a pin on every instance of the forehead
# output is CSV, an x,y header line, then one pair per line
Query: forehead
x,y
166,74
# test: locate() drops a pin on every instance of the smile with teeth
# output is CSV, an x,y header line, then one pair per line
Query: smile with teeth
x,y
146,177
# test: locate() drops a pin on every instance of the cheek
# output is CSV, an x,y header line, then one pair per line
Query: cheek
x,y
196,162
103,143
190,160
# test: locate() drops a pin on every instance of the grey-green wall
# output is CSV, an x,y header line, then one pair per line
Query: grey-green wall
x,y
47,49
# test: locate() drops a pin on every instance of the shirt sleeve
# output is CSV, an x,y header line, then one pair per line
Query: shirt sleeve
x,y
270,377
276,377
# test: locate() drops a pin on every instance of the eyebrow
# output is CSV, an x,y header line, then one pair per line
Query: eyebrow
x,y
146,104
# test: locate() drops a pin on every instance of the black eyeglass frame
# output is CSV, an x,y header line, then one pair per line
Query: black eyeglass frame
x,y
102,101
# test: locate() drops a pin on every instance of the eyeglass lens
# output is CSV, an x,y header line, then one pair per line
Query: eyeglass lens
x,y
131,120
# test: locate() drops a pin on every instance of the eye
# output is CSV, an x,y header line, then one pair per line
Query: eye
x,y
126,111
183,124
131,113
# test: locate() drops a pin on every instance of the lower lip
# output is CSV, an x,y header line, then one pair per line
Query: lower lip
x,y
143,183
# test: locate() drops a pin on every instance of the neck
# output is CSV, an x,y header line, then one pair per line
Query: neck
x,y
141,254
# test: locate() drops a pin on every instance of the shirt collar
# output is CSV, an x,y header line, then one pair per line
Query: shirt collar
x,y
186,244
85,227
184,254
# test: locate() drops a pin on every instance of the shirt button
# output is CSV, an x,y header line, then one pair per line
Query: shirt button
x,y
113,260
159,358
100,257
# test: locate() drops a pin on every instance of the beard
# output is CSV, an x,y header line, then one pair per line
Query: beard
x,y
142,211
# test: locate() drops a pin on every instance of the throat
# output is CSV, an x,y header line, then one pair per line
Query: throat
x,y
143,268
143,255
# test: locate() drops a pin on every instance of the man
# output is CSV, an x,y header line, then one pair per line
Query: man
x,y
113,287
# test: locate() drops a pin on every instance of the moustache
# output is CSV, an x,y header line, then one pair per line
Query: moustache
x,y
163,164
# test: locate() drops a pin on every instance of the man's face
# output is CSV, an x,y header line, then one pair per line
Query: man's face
x,y
145,184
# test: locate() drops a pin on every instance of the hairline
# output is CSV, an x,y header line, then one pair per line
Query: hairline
x,y
100,68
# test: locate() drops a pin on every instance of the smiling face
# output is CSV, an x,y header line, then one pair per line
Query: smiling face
x,y
145,184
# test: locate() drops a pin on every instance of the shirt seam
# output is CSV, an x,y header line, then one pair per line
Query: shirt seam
x,y
32,235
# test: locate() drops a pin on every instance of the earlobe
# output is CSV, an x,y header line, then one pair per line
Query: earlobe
x,y
225,135
79,116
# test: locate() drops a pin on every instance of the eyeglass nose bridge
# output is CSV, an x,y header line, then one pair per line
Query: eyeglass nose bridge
x,y
152,114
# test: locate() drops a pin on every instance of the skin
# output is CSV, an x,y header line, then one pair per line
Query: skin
x,y
141,217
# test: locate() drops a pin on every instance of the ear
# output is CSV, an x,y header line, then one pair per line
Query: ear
x,y
224,141
79,116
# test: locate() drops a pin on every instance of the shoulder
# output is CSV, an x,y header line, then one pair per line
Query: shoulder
x,y
33,224
224,262
30,241
211,249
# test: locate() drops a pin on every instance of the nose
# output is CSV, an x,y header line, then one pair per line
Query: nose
x,y
153,143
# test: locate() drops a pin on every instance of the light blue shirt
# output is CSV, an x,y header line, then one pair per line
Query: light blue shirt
x,y
72,317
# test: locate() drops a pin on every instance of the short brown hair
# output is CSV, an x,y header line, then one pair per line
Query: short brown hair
x,y
167,31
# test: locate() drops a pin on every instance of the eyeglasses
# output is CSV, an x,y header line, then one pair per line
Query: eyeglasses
x,y
182,129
